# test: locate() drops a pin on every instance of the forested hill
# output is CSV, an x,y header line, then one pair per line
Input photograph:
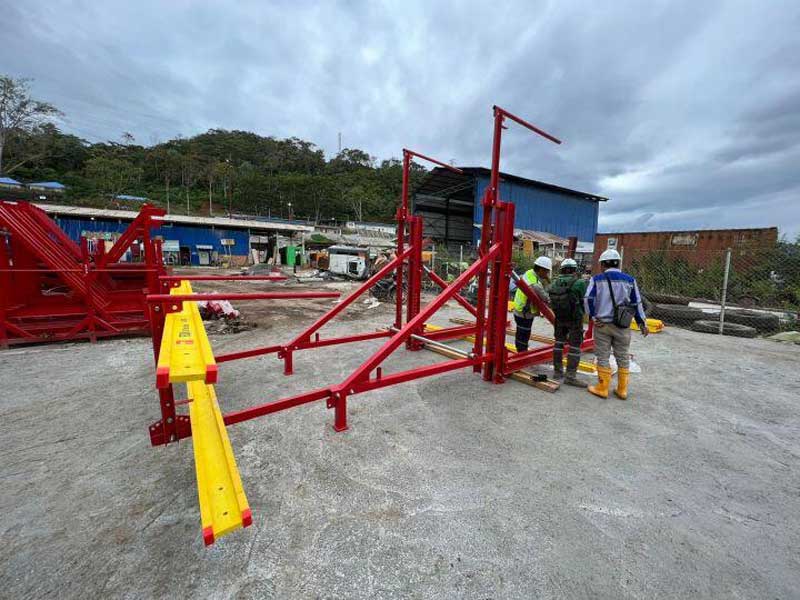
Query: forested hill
x,y
233,171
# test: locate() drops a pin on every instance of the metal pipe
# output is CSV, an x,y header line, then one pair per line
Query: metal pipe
x,y
435,344
724,290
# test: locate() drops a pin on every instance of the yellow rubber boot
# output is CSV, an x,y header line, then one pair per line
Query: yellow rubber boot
x,y
603,382
622,384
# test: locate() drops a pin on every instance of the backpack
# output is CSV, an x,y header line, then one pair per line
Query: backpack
x,y
562,299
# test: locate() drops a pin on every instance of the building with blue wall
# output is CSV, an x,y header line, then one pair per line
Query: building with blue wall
x,y
450,204
186,239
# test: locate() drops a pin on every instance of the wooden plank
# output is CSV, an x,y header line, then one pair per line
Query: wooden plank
x,y
549,385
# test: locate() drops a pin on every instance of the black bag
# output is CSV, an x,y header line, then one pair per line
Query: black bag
x,y
623,315
563,301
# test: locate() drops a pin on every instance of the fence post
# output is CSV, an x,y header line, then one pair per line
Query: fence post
x,y
724,290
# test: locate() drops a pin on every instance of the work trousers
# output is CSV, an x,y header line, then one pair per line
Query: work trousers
x,y
607,338
523,335
567,333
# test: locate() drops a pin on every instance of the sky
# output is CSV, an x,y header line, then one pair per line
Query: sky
x,y
685,114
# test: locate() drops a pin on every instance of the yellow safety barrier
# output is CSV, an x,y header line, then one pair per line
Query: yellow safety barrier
x,y
185,353
223,505
654,325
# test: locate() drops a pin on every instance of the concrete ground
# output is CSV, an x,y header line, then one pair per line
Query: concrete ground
x,y
446,487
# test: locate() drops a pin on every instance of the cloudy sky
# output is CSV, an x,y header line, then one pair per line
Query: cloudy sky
x,y
685,114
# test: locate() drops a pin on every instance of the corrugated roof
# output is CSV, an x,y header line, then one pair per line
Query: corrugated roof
x,y
9,181
130,198
50,185
443,180
129,215
540,237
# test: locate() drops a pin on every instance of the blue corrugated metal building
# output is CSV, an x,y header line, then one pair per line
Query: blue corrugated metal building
x,y
194,239
186,239
450,204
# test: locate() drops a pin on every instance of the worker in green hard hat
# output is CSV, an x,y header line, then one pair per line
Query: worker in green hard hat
x,y
566,299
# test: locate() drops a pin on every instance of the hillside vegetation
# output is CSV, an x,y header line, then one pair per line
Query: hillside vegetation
x,y
220,171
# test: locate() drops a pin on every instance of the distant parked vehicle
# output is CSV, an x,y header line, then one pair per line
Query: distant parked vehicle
x,y
349,261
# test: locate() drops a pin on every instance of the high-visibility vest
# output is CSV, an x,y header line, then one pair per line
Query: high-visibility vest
x,y
521,301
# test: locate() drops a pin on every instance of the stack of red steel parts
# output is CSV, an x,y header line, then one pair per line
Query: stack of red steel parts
x,y
54,289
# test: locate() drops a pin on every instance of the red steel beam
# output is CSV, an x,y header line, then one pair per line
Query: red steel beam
x,y
416,373
155,298
443,284
345,339
247,353
171,278
524,123
319,323
543,307
275,406
362,372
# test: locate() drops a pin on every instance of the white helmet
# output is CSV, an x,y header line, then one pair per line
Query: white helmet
x,y
544,262
609,254
568,263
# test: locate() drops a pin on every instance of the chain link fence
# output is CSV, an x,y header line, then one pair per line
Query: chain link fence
x,y
742,291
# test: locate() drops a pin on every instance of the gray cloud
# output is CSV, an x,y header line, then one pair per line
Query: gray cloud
x,y
685,114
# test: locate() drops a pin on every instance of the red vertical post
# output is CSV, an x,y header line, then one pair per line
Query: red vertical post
x,y
89,281
572,246
488,202
150,259
402,215
5,289
166,396
339,411
506,234
414,277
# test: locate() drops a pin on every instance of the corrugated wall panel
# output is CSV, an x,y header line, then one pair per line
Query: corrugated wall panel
x,y
186,235
544,210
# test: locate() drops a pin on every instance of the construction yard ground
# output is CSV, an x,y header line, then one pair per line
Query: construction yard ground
x,y
446,487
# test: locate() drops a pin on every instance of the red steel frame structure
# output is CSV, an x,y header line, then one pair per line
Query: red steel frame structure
x,y
488,356
101,296
52,289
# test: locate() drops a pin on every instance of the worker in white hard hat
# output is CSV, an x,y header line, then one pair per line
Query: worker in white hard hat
x,y
613,301
524,311
566,299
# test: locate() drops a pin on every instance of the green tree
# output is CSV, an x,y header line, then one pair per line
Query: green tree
x,y
20,115
111,176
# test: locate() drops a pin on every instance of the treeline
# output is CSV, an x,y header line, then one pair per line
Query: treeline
x,y
217,172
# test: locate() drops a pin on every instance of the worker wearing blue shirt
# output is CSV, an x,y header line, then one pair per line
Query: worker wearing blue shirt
x,y
613,300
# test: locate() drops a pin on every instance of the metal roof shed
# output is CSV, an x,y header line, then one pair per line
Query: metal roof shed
x,y
450,205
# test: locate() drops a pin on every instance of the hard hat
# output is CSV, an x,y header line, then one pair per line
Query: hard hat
x,y
544,262
609,254
569,263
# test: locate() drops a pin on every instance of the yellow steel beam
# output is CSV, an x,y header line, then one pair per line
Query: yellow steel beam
x,y
223,505
185,353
